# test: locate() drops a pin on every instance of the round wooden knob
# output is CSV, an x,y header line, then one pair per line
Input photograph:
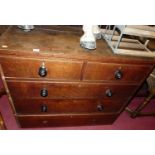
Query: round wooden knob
x,y
44,108
100,107
109,93
118,74
44,92
42,70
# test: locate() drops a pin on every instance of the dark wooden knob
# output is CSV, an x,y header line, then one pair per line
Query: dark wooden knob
x,y
44,92
42,70
118,74
100,107
44,108
109,93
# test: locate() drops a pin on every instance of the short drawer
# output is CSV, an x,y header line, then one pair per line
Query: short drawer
x,y
65,90
41,106
116,72
27,121
43,69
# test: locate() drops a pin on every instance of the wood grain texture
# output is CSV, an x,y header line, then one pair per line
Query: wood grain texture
x,y
3,28
57,44
140,31
77,79
106,71
64,90
65,120
29,68
64,106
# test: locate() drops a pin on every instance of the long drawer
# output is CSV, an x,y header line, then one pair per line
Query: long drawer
x,y
115,72
43,69
47,106
64,90
65,120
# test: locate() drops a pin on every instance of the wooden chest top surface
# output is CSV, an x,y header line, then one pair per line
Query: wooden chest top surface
x,y
57,41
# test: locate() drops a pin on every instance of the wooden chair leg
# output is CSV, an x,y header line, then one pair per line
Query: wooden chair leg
x,y
2,125
137,111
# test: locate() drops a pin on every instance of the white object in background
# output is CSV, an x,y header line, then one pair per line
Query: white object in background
x,y
26,28
88,39
96,31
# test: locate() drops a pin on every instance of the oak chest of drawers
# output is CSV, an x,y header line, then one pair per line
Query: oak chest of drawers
x,y
51,81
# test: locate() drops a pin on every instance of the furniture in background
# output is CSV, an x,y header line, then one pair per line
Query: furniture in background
x,y
122,39
151,88
2,124
51,81
3,28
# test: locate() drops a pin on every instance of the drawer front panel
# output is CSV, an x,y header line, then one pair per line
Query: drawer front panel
x,y
44,69
40,106
68,90
116,72
65,120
